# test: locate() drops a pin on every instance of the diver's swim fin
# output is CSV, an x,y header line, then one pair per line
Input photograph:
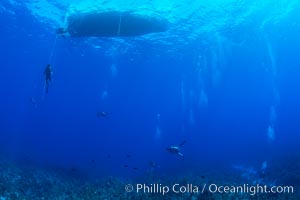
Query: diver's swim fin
x,y
182,143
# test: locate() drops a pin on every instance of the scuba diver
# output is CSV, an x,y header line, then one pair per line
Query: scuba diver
x,y
176,149
62,32
48,77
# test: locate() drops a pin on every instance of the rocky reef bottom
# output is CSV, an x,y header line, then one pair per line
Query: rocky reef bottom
x,y
31,183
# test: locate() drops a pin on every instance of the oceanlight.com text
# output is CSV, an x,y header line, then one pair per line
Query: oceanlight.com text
x,y
208,188
250,189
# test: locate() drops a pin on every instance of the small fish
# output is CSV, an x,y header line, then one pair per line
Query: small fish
x,y
128,156
152,164
125,166
135,168
103,114
33,101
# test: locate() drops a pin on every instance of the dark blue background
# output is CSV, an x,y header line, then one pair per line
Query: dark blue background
x,y
63,130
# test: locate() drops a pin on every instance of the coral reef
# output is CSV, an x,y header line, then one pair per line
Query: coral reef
x,y
40,184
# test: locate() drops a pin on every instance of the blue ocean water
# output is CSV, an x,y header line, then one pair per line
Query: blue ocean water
x,y
223,79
